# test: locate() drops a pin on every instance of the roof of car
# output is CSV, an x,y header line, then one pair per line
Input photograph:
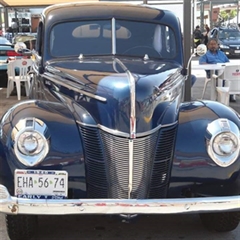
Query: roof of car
x,y
229,29
4,41
103,10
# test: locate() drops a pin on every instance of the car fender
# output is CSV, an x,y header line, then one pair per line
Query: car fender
x,y
192,164
65,147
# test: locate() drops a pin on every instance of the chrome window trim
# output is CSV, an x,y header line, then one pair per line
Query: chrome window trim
x,y
114,36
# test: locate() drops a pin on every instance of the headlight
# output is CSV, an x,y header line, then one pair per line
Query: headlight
x,y
31,141
223,142
224,46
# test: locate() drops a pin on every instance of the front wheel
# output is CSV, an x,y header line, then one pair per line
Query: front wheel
x,y
21,227
220,222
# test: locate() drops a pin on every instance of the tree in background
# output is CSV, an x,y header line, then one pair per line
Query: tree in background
x,y
226,15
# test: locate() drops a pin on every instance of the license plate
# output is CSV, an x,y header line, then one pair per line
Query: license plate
x,y
237,51
39,184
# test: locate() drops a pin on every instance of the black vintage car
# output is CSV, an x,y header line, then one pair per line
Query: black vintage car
x,y
106,131
228,39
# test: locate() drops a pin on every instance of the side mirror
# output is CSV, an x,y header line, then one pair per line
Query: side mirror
x,y
20,47
201,49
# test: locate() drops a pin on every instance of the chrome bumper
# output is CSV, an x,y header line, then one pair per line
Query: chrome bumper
x,y
13,205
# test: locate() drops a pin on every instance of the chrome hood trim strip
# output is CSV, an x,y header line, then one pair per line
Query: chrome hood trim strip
x,y
72,86
13,205
132,87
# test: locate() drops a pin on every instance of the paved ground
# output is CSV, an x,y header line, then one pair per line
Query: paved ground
x,y
164,227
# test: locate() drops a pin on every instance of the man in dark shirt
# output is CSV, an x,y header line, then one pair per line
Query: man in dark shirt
x,y
8,34
198,36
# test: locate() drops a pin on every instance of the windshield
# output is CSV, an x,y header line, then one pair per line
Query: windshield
x,y
229,34
98,38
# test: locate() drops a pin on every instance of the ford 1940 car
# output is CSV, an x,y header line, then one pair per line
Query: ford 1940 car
x,y
106,130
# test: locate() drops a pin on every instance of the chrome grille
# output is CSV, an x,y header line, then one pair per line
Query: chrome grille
x,y
107,164
96,177
162,163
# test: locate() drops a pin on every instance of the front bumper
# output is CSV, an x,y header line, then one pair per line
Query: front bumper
x,y
13,205
231,52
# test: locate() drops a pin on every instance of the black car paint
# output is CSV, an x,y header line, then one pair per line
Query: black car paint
x,y
114,113
192,170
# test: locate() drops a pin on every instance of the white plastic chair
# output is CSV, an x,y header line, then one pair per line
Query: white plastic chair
x,y
22,67
231,76
207,80
214,76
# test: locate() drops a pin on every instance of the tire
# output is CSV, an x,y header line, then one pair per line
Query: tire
x,y
220,222
21,227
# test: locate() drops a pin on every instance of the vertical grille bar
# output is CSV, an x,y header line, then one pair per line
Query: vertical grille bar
x,y
162,163
96,177
144,149
116,156
107,164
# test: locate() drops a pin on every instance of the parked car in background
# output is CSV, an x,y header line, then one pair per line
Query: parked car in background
x,y
105,130
229,40
6,51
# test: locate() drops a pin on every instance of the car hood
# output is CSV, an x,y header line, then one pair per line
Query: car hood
x,y
230,41
114,90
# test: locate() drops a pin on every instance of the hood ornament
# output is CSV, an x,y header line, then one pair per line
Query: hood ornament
x,y
146,57
80,56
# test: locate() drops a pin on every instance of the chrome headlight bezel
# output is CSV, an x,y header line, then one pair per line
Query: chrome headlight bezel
x,y
223,142
30,138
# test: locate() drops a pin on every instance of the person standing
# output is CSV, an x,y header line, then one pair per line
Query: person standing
x,y
213,56
206,34
198,36
8,34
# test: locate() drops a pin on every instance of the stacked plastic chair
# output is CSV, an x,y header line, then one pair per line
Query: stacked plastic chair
x,y
18,73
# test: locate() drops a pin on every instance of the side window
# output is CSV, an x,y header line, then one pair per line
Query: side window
x,y
39,40
168,42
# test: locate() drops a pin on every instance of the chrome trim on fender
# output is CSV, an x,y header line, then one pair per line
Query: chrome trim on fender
x,y
72,86
13,205
123,134
218,127
37,131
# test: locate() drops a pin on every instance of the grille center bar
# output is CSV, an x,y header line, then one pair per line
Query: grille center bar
x,y
130,175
